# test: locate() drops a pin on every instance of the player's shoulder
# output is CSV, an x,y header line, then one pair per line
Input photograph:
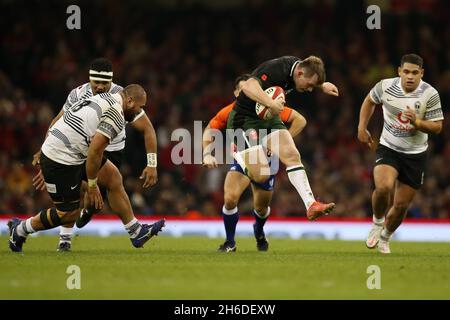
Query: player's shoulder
x,y
81,92
389,82
427,89
106,99
289,58
83,89
115,88
286,60
111,98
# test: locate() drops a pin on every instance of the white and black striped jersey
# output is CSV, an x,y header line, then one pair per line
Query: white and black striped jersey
x,y
398,133
69,138
84,92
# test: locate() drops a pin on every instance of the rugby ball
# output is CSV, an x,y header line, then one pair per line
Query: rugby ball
x,y
264,112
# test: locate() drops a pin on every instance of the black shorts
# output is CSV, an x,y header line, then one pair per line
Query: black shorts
x,y
63,182
115,157
410,167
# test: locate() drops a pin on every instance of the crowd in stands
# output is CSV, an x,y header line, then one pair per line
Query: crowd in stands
x,y
186,57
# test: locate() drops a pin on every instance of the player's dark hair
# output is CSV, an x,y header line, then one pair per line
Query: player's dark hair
x,y
412,58
242,77
314,65
101,64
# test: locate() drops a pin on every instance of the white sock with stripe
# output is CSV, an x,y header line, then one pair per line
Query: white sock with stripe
x,y
25,228
133,228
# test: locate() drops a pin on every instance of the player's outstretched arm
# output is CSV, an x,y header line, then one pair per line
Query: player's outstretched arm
x,y
94,159
366,112
297,122
150,173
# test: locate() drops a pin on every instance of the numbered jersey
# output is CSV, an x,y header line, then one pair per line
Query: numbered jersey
x,y
398,133
84,92
69,138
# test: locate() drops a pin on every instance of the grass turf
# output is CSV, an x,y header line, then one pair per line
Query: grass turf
x,y
191,268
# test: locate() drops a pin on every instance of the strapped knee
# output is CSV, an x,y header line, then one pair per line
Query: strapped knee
x,y
50,218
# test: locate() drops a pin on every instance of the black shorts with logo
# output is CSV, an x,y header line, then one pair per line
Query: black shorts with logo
x,y
410,167
63,182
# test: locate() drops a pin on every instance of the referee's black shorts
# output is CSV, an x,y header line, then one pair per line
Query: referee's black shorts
x,y
63,182
410,167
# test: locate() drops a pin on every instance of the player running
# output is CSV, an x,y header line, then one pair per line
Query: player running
x,y
236,181
100,81
288,73
411,110
73,152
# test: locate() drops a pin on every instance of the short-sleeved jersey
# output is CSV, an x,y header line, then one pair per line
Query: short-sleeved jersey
x,y
276,72
220,120
69,138
398,133
84,92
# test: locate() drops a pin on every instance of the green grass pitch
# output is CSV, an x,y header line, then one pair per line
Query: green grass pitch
x,y
191,268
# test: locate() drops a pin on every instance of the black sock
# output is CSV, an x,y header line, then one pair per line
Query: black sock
x,y
230,220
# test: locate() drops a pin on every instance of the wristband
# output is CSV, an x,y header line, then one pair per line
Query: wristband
x,y
92,183
417,122
151,160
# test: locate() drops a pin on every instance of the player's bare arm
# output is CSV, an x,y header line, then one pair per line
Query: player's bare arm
x,y
150,173
330,89
208,159
252,89
366,112
297,123
427,126
94,159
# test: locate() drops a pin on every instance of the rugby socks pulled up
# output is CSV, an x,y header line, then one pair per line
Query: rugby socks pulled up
x,y
230,220
260,220
297,176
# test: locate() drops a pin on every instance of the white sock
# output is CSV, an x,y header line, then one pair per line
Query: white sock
x,y
376,221
263,216
385,234
25,228
229,212
65,234
133,228
299,180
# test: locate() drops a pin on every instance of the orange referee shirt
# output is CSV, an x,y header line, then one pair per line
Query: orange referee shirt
x,y
219,121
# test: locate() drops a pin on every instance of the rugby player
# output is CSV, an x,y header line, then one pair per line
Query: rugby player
x,y
73,152
100,81
411,111
236,181
290,73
